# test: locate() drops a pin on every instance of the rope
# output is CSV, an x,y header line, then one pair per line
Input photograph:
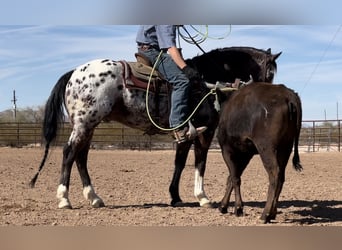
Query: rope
x,y
206,35
194,41
200,36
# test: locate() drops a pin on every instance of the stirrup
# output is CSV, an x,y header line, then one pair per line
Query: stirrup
x,y
188,133
193,132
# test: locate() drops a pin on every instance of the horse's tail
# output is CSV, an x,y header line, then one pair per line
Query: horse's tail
x,y
297,111
52,117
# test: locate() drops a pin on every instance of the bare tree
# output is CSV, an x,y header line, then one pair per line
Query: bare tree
x,y
29,114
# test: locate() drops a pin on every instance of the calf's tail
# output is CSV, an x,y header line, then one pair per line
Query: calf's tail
x,y
296,111
52,117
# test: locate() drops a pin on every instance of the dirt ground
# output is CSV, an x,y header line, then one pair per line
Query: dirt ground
x,y
134,186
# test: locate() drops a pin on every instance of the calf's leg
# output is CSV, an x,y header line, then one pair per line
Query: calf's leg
x,y
236,163
276,180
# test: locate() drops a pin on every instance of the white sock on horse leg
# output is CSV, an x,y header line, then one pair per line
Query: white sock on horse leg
x,y
89,194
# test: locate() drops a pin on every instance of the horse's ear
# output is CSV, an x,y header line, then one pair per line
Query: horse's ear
x,y
275,57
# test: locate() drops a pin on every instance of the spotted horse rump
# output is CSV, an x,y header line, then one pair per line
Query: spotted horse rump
x,y
88,99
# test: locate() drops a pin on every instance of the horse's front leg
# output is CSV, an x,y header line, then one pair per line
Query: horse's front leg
x,y
182,151
201,153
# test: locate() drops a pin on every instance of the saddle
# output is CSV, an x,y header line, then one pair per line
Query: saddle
x,y
137,75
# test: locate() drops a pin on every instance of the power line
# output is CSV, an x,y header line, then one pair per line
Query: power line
x,y
322,57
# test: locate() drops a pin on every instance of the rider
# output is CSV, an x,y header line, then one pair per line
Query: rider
x,y
152,39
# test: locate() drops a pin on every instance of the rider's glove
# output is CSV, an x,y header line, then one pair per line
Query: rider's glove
x,y
191,73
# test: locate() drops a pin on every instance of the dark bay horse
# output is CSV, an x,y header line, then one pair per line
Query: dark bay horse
x,y
97,91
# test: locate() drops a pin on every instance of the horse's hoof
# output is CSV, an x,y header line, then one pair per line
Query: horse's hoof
x,y
204,202
64,204
176,203
65,207
98,203
207,205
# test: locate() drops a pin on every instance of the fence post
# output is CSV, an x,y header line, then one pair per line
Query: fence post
x,y
339,135
18,132
122,136
314,136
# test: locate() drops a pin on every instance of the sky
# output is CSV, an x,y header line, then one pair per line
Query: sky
x,y
41,40
33,57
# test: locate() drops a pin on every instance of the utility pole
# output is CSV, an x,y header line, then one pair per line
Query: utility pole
x,y
14,106
337,110
325,115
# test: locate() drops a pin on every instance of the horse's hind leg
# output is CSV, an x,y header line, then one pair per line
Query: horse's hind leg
x,y
76,150
69,154
182,152
88,190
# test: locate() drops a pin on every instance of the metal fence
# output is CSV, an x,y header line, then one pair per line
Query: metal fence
x,y
321,135
316,135
110,135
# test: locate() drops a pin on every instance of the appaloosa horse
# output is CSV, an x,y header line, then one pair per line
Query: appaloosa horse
x,y
104,90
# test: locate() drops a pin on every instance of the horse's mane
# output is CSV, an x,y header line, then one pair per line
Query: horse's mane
x,y
228,62
245,49
259,54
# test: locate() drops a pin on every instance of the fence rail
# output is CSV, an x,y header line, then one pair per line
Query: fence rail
x,y
316,135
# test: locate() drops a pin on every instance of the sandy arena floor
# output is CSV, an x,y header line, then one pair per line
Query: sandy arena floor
x,y
134,186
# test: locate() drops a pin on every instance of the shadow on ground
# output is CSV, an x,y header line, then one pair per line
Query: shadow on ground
x,y
312,212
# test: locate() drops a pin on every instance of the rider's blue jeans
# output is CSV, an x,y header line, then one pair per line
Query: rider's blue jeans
x,y
173,74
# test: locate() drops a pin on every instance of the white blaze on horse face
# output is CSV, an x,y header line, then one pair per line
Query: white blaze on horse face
x,y
199,190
